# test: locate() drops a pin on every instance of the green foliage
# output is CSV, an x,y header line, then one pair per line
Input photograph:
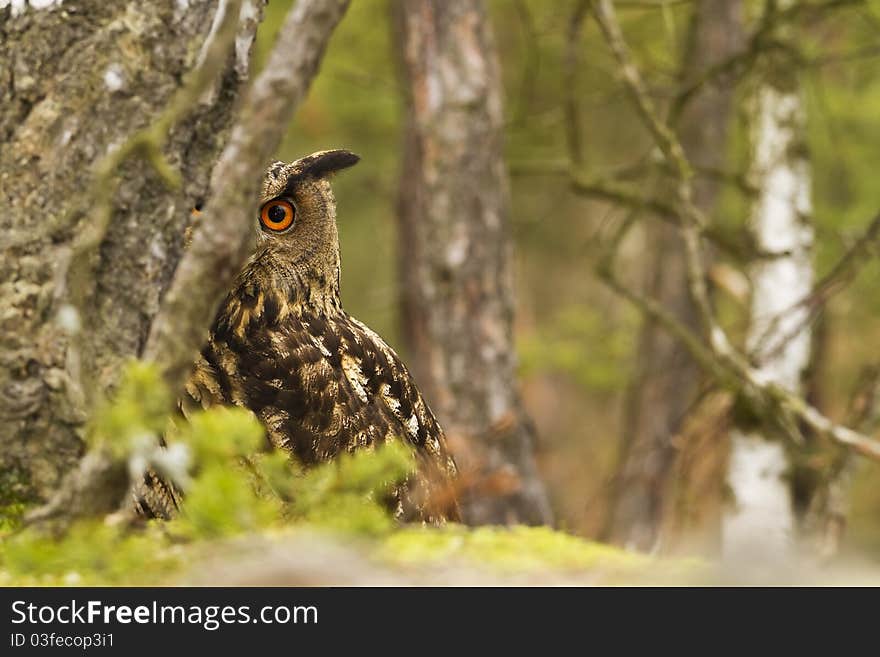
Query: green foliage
x,y
221,434
237,488
233,487
220,499
347,492
222,502
568,346
139,409
14,500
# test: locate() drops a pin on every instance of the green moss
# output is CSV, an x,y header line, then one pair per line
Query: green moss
x,y
11,516
509,549
139,409
537,551
15,498
91,553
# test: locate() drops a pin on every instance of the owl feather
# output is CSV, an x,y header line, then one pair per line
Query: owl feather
x,y
321,382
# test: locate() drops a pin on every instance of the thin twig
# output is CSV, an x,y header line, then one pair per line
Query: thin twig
x,y
843,271
664,137
762,41
740,247
714,351
571,66
531,62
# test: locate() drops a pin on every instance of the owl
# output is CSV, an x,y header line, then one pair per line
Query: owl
x,y
321,382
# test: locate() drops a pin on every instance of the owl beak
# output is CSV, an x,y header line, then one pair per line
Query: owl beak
x,y
324,163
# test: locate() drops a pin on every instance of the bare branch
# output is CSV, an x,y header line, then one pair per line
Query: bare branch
x,y
720,358
761,42
624,196
531,62
664,137
571,64
652,309
846,267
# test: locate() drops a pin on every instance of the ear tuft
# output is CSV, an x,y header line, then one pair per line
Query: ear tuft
x,y
326,162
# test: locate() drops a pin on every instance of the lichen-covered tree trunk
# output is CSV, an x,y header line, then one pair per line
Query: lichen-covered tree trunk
x,y
761,518
76,79
456,265
667,378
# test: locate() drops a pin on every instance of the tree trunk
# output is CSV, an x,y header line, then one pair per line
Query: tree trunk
x,y
761,520
667,378
77,79
455,248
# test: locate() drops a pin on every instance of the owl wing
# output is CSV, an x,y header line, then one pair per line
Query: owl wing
x,y
155,497
321,384
381,380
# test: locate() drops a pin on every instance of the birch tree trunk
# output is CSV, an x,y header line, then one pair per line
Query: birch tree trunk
x,y
456,266
761,520
667,378
76,79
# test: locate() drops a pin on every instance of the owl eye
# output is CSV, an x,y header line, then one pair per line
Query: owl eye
x,y
277,215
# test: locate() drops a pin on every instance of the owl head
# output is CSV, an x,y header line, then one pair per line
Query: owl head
x,y
297,196
296,220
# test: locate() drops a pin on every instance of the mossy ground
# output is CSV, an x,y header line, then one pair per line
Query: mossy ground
x,y
99,554
238,495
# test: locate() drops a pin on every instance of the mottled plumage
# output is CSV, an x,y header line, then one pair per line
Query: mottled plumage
x,y
321,382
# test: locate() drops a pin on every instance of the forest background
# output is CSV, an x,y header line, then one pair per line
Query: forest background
x,y
632,441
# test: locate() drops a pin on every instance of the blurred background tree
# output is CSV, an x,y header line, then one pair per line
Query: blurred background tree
x,y
456,258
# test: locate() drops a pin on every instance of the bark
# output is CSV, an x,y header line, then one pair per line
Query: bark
x,y
761,521
76,80
456,267
667,378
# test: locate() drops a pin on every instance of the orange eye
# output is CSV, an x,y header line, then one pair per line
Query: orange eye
x,y
277,215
